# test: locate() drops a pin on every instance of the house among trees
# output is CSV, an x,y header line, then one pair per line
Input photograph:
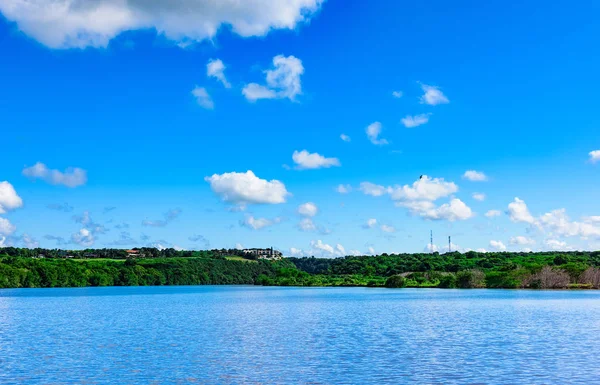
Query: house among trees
x,y
264,253
133,253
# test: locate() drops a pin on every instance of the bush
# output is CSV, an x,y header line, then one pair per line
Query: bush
x,y
470,279
395,281
448,281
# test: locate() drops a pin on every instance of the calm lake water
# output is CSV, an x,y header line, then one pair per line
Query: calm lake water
x,y
257,335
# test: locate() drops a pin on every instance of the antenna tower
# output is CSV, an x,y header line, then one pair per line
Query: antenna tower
x,y
431,239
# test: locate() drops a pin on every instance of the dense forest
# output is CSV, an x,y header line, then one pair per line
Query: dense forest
x,y
112,267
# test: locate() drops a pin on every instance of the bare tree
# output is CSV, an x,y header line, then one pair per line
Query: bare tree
x,y
591,277
549,278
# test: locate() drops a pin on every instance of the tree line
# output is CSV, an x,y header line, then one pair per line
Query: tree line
x,y
115,267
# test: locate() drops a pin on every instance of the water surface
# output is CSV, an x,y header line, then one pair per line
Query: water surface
x,y
259,335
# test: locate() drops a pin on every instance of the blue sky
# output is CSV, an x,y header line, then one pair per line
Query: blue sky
x,y
115,132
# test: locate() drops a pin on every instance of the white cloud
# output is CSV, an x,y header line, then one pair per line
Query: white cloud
x,y
259,223
373,131
283,81
522,241
372,189
479,196
591,219
594,156
397,94
307,224
424,188
556,222
388,229
456,210
518,212
433,96
308,209
415,121
431,248
306,161
203,98
247,188
255,91
555,244
372,222
9,200
216,69
345,138
475,176
497,245
71,177
319,245
85,23
493,213
6,228
343,188
83,238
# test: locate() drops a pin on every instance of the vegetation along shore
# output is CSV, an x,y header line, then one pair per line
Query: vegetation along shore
x,y
30,268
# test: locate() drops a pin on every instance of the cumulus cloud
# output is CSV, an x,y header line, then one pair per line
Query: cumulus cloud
x,y
9,200
373,131
308,209
479,196
397,94
372,222
283,81
6,228
522,241
591,219
594,156
455,210
247,188
258,223
555,244
306,161
86,220
203,98
497,245
83,237
307,224
71,177
433,96
93,23
169,216
372,189
387,229
518,212
345,138
320,249
414,121
216,69
555,222
475,176
493,213
343,188
425,188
